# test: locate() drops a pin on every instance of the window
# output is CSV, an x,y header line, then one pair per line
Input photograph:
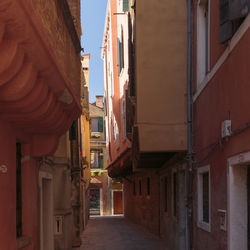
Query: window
x,y
96,158
203,18
166,194
232,14
120,48
97,124
204,198
148,186
124,119
134,188
58,225
127,129
18,191
140,188
115,131
175,194
72,131
125,5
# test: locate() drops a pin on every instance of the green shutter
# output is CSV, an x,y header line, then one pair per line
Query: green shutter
x,y
100,124
125,5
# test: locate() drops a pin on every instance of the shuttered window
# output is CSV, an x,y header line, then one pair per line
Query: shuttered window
x,y
232,14
100,124
120,48
125,5
96,158
100,159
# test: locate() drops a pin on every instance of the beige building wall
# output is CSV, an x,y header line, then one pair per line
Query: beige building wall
x,y
161,66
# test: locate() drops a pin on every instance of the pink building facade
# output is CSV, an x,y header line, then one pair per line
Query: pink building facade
x,y
221,125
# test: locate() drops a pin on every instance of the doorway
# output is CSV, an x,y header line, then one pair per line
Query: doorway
x,y
94,202
239,202
117,202
46,211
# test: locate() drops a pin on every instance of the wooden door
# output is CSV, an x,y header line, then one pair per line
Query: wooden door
x,y
117,202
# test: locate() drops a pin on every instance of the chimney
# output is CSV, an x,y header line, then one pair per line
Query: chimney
x,y
99,101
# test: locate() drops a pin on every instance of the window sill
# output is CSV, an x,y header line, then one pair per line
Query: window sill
x,y
23,242
205,226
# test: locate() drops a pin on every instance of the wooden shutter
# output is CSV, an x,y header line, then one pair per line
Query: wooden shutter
x,y
100,124
125,5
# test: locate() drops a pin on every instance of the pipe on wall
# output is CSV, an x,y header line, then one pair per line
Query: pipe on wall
x,y
189,169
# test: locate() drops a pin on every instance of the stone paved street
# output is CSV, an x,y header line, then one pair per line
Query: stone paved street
x,y
115,233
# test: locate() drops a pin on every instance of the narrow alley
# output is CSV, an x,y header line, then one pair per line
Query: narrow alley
x,y
115,233
124,125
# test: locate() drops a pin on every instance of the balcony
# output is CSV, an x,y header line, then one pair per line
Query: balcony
x,y
39,69
159,107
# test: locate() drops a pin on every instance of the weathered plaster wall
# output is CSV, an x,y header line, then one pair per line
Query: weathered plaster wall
x,y
173,226
52,19
142,209
225,97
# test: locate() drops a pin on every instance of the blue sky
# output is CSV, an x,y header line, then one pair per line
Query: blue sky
x,y
93,17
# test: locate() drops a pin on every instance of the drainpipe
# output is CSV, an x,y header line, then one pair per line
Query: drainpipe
x,y
189,170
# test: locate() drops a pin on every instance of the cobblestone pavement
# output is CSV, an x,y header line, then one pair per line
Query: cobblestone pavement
x,y
115,233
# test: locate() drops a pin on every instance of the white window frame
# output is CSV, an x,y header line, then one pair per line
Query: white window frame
x,y
237,204
200,223
203,59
